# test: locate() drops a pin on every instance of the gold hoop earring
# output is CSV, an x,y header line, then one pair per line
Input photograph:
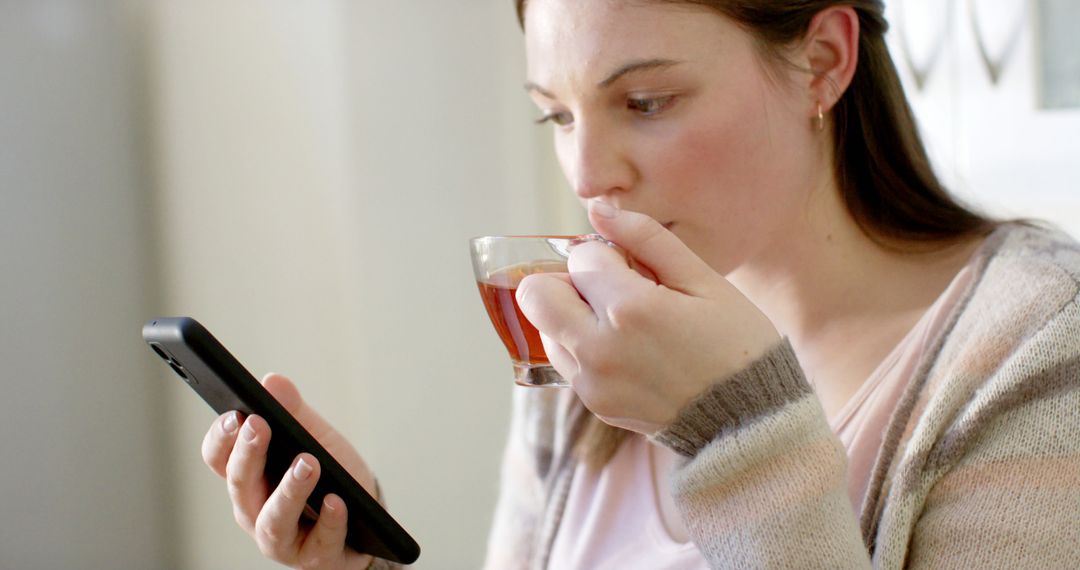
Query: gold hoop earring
x,y
819,120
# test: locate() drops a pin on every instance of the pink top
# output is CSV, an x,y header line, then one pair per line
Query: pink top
x,y
861,423
614,519
624,517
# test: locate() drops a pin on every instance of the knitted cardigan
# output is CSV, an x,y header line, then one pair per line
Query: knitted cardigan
x,y
980,465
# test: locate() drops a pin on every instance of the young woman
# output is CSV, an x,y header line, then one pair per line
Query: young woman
x,y
819,358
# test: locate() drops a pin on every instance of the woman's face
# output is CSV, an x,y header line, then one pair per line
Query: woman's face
x,y
667,109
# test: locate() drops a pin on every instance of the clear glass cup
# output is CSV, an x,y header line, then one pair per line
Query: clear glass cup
x,y
499,264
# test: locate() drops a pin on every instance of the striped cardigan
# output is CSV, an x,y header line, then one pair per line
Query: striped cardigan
x,y
980,467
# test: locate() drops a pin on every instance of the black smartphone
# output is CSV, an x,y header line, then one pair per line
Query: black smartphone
x,y
204,364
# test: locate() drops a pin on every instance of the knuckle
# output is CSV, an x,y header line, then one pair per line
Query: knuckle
x,y
627,314
236,479
316,559
209,454
214,453
243,519
289,491
269,540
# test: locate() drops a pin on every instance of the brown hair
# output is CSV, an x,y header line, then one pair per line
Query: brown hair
x,y
880,163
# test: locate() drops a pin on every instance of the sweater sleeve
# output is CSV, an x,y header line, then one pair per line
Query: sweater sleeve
x,y
764,481
1002,487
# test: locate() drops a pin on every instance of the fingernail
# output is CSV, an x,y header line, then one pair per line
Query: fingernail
x,y
603,209
302,470
229,424
247,432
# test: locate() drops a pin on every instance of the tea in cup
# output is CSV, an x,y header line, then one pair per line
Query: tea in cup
x,y
499,264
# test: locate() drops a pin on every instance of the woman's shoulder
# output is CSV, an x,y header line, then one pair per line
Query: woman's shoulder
x,y
1025,290
1026,275
1018,330
1013,343
1031,246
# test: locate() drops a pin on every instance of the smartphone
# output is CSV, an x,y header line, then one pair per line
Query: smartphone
x,y
204,364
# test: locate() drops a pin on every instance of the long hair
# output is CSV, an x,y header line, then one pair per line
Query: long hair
x,y
881,166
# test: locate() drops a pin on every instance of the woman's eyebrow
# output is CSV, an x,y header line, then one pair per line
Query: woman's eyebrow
x,y
636,66
530,86
631,67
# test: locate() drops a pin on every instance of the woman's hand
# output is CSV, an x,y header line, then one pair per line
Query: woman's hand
x,y
269,511
637,350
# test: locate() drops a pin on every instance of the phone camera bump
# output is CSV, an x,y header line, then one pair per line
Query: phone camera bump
x,y
159,351
179,370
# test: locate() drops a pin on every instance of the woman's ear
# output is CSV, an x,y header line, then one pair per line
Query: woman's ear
x,y
831,48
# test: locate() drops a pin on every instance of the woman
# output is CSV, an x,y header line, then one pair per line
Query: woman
x,y
820,359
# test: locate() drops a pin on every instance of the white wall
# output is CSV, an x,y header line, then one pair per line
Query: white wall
x,y
83,482
991,143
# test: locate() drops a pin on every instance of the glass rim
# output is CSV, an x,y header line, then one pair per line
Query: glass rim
x,y
538,237
534,236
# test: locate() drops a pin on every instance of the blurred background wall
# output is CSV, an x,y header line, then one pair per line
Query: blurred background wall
x,y
999,104
85,480
319,170
303,177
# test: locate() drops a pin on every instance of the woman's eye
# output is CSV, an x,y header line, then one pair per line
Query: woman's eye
x,y
561,118
649,106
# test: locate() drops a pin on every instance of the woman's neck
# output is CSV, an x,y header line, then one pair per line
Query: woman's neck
x,y
842,299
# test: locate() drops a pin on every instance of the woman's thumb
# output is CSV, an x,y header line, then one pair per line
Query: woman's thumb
x,y
652,245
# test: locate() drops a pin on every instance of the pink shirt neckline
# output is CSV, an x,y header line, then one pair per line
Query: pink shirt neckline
x,y
860,424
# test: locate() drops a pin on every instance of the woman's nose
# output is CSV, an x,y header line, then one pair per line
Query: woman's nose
x,y
599,163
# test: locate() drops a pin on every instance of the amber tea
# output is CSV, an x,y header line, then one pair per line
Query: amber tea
x,y
499,264
520,337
